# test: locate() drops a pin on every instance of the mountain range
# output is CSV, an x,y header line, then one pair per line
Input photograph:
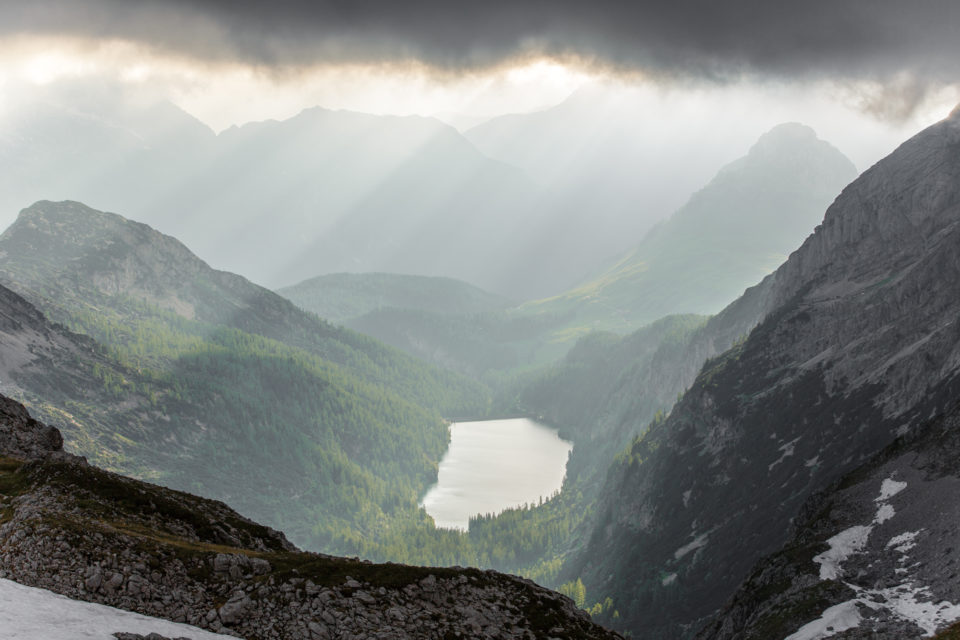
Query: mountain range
x,y
321,192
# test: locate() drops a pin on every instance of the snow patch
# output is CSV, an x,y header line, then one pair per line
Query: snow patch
x,y
904,542
902,602
28,613
812,462
787,450
906,601
884,513
668,579
686,497
699,541
837,618
853,540
842,546
890,488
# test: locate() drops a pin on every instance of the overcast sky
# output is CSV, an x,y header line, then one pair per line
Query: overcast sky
x,y
849,37
893,60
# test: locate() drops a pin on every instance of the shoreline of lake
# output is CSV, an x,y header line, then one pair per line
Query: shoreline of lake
x,y
494,465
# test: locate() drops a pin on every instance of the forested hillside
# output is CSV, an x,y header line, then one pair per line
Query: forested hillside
x,y
208,383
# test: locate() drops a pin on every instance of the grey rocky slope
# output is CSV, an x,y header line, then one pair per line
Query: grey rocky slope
x,y
858,346
92,535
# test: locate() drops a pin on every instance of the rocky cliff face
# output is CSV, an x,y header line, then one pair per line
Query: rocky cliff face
x,y
23,437
858,346
96,536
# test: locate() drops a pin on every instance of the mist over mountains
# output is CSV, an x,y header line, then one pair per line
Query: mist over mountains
x,y
524,206
323,192
282,201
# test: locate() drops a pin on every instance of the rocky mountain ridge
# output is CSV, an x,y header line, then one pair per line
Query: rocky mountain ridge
x,y
92,535
858,346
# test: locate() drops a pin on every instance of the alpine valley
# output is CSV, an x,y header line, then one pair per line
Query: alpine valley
x,y
761,390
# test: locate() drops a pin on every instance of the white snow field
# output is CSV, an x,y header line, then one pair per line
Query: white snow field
x,y
27,613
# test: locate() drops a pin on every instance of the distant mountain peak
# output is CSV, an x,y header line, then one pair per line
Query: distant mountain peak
x,y
788,135
791,131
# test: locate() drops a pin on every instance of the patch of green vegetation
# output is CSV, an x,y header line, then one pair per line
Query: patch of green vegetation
x,y
950,633
113,495
14,481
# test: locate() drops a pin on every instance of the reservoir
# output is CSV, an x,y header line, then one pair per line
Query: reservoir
x,y
493,465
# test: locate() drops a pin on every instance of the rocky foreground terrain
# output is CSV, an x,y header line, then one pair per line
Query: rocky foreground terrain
x,y
92,535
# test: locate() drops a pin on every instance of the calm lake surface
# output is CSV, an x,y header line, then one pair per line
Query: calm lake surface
x,y
492,465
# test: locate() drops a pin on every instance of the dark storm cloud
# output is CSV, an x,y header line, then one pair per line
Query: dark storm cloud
x,y
852,38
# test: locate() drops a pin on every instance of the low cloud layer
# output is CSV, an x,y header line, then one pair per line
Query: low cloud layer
x,y
706,38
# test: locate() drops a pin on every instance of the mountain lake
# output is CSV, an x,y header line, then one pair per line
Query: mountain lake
x,y
493,465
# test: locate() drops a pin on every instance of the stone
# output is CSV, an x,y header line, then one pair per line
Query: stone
x,y
235,608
